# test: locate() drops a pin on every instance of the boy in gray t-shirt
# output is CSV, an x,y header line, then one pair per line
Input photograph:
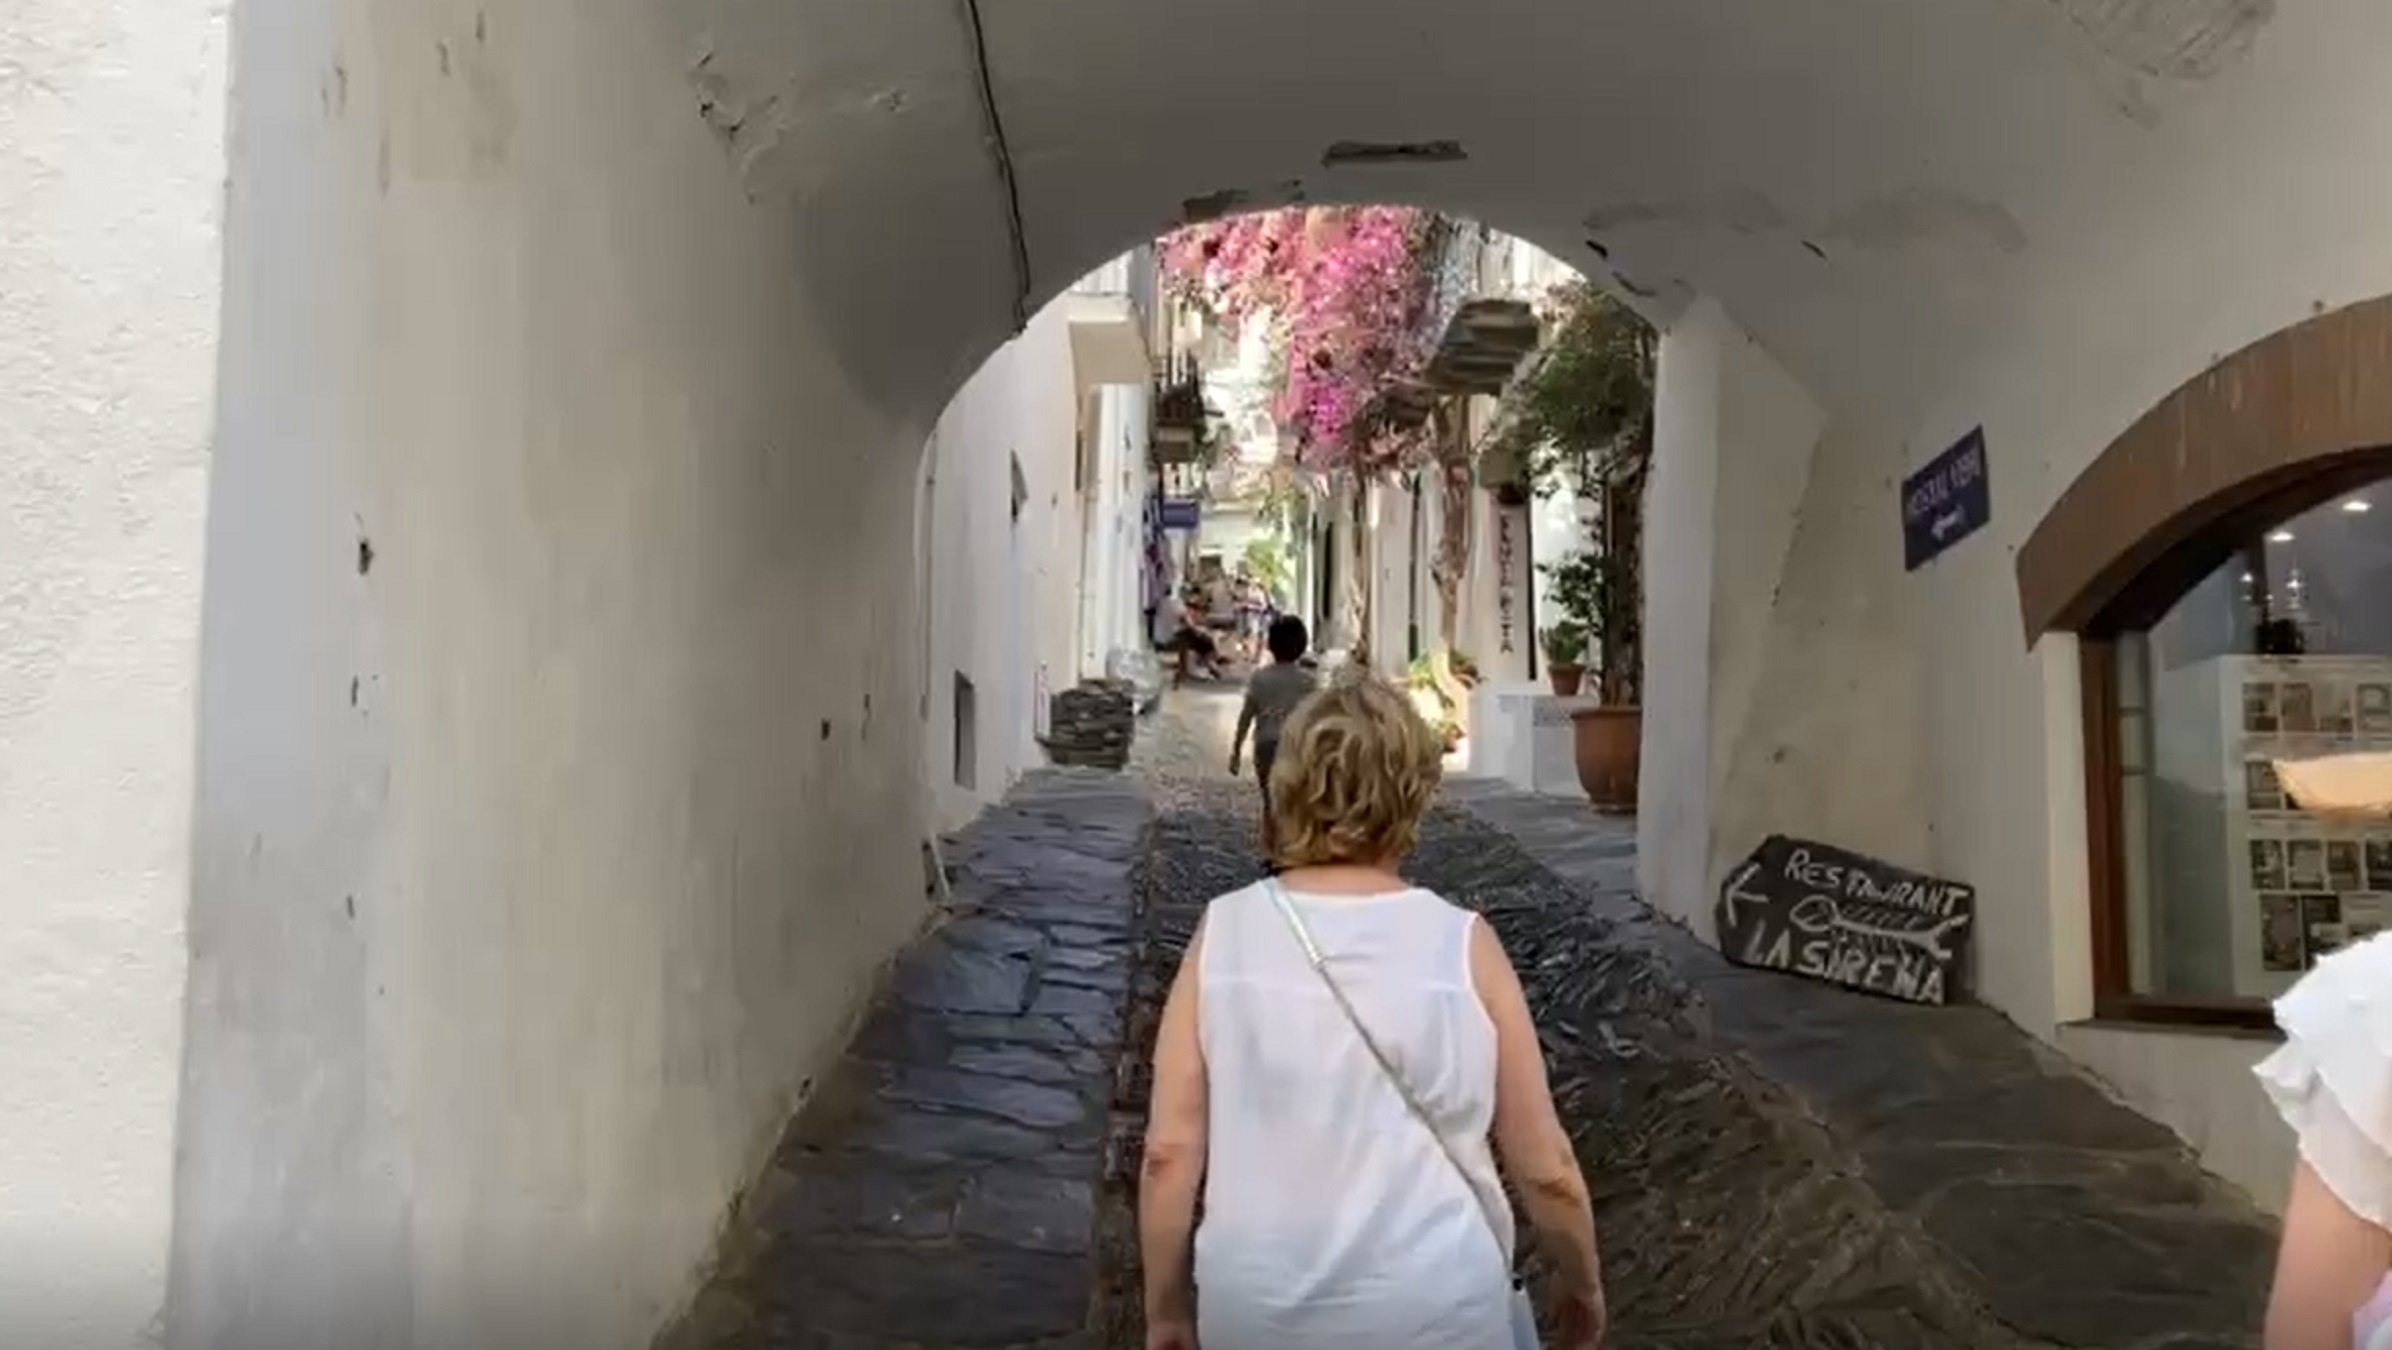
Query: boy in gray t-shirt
x,y
1271,694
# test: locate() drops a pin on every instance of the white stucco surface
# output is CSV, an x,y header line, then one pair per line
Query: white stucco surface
x,y
618,333
1673,822
1004,592
557,790
111,155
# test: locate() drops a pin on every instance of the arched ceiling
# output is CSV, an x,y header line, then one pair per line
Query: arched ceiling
x,y
1868,185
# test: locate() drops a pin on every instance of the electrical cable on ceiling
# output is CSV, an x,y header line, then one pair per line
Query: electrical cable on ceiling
x,y
1003,154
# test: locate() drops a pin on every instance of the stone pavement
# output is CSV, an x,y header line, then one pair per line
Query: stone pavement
x,y
939,1187
2071,1219
1775,1163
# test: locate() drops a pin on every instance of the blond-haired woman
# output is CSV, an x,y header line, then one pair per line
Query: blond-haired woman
x,y
1335,1053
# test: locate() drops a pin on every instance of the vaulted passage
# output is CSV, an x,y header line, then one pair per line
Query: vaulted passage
x,y
457,890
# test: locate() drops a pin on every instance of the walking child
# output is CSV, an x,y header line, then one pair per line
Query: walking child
x,y
1272,693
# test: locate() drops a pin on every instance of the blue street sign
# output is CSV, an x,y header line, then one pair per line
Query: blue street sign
x,y
1182,513
1945,502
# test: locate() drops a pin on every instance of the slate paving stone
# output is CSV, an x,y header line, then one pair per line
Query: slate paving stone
x,y
952,977
925,1138
1038,1106
1027,1063
1109,983
939,1189
952,1294
1047,1031
868,1206
1047,1214
1071,1001
2150,1271
994,933
1908,1174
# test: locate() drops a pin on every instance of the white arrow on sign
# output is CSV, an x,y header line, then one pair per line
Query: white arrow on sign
x,y
1738,897
1944,525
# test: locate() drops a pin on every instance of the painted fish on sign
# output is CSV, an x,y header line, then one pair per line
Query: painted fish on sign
x,y
1826,914
1945,502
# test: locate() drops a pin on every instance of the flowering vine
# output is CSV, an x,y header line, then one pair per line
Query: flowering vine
x,y
1343,290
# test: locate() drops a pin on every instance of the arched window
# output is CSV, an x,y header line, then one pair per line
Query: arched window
x,y
2265,635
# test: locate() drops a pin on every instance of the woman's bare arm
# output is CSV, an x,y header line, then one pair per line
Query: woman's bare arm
x,y
2332,1261
1536,1150
1175,1151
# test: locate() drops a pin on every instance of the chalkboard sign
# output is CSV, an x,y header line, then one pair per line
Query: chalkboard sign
x,y
1821,912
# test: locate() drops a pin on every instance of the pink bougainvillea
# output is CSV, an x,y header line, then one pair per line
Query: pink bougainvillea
x,y
1342,289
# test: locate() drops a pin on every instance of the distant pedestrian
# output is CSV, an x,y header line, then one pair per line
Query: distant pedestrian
x,y
1190,642
1335,1052
1272,693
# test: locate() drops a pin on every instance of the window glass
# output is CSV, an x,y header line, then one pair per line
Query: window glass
x,y
2285,652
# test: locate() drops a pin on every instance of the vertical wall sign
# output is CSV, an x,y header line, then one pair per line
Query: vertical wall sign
x,y
1945,502
1507,588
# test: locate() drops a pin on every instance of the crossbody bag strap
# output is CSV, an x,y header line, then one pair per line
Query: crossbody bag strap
x,y
1320,967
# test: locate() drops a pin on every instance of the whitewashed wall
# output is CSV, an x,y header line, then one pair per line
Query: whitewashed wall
x,y
1113,596
1004,593
1785,624
111,173
557,655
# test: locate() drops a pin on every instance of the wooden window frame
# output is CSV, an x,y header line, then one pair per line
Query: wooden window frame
x,y
2288,422
2114,996
2142,602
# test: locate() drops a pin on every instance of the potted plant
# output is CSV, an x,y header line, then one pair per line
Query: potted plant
x,y
1565,657
1575,585
1584,412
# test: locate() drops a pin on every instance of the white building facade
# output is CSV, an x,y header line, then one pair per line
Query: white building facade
x,y
1034,508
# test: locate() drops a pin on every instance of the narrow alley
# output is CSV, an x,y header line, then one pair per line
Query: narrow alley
x,y
1774,1162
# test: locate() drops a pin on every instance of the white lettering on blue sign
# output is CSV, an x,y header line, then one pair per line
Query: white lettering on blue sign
x,y
1946,500
1937,489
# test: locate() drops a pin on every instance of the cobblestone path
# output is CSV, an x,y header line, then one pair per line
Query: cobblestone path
x,y
939,1188
1775,1163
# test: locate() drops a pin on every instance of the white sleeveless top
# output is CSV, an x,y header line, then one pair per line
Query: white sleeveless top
x,y
2332,1081
1331,1220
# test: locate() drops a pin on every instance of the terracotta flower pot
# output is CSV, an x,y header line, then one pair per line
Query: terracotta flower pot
x,y
1566,678
1610,744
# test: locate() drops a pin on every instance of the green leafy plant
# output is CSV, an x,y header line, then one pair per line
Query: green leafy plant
x,y
1435,704
1582,418
1602,597
1565,643
1577,591
1266,559
1588,398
